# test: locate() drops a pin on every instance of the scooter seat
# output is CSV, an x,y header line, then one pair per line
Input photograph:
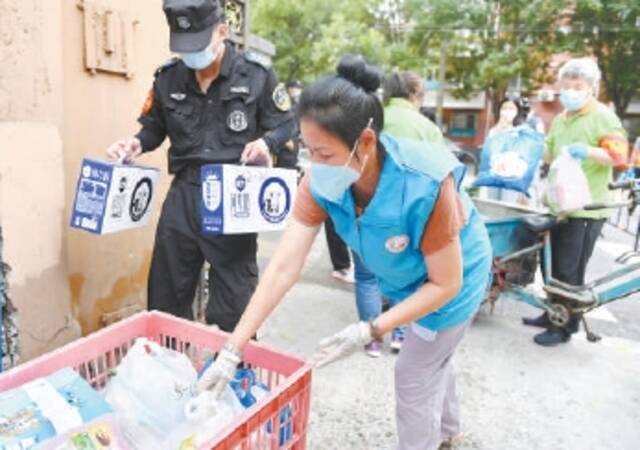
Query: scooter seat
x,y
539,223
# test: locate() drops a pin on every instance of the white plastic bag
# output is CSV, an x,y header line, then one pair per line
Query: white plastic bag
x,y
567,186
151,389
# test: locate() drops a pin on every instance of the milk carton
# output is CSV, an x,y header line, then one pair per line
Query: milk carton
x,y
112,197
243,199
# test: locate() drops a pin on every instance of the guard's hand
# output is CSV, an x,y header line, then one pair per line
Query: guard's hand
x,y
348,341
125,150
218,374
256,153
578,151
290,145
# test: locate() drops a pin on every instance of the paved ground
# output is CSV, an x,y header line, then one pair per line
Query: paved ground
x,y
515,395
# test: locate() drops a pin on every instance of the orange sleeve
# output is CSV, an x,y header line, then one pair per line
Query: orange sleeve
x,y
305,209
618,148
446,221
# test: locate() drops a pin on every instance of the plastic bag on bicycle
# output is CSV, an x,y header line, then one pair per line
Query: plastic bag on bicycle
x,y
509,159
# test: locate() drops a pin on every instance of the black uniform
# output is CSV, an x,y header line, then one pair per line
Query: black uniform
x,y
239,107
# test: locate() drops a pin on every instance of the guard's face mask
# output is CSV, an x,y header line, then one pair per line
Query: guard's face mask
x,y
331,182
199,60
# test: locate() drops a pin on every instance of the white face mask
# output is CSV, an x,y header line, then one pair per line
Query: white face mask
x,y
508,115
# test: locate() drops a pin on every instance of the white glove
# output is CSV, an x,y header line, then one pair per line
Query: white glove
x,y
349,340
218,374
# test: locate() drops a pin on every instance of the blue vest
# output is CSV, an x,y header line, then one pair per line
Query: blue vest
x,y
387,236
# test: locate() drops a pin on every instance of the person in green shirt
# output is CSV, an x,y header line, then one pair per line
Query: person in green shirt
x,y
590,132
404,94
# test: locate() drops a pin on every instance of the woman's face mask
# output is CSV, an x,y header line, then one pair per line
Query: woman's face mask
x,y
332,181
508,112
572,99
574,94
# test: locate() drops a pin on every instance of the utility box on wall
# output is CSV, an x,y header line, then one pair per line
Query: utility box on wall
x,y
108,39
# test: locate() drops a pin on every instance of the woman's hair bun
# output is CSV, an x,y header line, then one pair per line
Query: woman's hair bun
x,y
355,69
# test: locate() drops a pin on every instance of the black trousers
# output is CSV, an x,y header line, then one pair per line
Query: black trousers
x,y
572,245
338,250
179,253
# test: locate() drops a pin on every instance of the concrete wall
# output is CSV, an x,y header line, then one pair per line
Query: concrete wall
x,y
32,194
108,273
53,112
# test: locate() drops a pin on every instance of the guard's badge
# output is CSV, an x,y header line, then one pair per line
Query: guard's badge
x,y
281,98
183,22
237,121
148,103
239,90
178,96
397,244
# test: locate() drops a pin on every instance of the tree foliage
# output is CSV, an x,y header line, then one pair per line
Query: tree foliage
x,y
493,46
610,30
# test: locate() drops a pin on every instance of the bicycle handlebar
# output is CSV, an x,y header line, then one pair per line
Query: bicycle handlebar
x,y
626,184
596,206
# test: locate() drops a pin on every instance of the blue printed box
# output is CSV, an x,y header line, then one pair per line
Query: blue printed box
x,y
244,199
112,197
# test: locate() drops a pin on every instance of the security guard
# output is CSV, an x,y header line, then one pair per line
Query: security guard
x,y
287,158
216,105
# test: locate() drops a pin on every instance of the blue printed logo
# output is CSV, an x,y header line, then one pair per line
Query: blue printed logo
x,y
274,200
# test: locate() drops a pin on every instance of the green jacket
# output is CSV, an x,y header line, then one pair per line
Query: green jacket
x,y
401,119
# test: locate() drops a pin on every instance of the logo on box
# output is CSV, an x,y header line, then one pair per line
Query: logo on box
x,y
274,200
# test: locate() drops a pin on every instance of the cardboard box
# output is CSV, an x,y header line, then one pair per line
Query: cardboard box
x,y
112,197
243,199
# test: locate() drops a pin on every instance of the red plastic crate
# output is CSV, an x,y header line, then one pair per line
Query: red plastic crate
x,y
288,377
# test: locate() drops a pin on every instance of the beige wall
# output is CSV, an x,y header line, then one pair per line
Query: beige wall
x,y
108,273
32,194
53,113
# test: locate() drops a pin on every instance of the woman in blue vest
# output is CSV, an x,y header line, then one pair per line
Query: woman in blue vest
x,y
398,206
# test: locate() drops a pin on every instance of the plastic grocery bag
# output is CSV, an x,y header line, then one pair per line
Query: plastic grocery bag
x,y
510,158
150,391
567,186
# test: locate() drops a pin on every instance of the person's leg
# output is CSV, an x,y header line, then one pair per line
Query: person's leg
x,y
233,277
567,247
421,382
451,425
368,299
567,240
338,251
177,260
368,296
592,229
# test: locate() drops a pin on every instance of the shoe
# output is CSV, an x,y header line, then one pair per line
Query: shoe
x,y
345,275
373,348
397,339
541,321
552,337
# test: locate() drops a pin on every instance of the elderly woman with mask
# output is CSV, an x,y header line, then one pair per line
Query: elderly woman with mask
x,y
591,133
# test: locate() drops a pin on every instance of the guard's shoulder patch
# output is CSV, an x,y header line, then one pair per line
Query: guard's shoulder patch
x,y
281,98
169,63
258,59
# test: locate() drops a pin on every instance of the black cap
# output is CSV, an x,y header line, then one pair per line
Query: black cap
x,y
191,23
